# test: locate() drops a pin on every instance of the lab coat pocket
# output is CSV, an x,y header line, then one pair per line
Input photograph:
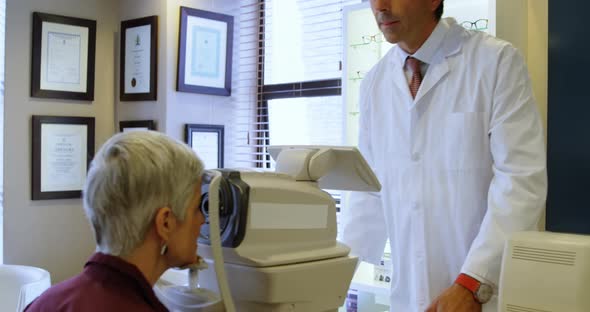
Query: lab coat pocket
x,y
468,141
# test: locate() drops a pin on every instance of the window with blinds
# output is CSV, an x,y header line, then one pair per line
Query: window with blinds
x,y
244,142
290,75
290,69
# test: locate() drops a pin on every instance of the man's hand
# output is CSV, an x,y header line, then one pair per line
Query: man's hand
x,y
455,299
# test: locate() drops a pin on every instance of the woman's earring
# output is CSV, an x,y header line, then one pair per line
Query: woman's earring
x,y
164,249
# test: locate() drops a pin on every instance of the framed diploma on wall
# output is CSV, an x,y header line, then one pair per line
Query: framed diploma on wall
x,y
62,150
63,57
207,142
205,52
136,125
138,78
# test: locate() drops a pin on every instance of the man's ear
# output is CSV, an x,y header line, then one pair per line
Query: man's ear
x,y
165,223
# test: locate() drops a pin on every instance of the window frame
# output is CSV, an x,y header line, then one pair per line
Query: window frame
x,y
290,90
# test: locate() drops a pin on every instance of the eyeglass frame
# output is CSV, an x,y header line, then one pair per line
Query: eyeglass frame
x,y
473,25
377,38
358,75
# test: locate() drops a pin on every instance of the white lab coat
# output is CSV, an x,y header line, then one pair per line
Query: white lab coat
x,y
462,166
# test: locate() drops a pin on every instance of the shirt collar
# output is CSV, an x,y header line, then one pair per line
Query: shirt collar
x,y
99,261
431,46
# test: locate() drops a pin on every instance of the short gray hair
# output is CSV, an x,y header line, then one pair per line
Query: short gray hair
x,y
130,178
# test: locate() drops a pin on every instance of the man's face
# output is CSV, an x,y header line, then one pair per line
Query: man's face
x,y
404,21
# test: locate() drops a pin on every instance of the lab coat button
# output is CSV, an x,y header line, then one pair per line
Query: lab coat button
x,y
415,206
415,157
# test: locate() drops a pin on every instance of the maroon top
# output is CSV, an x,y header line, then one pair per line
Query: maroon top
x,y
107,284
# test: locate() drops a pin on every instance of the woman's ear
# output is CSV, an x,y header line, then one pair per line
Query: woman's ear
x,y
165,223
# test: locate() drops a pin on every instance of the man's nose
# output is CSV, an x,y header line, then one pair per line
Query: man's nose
x,y
380,5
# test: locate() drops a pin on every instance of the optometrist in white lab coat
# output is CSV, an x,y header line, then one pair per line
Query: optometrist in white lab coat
x,y
462,166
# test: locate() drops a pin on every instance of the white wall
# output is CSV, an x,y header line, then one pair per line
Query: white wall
x,y
144,110
174,109
50,234
54,234
2,54
183,108
538,52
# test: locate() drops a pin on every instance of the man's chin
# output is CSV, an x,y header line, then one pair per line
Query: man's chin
x,y
391,38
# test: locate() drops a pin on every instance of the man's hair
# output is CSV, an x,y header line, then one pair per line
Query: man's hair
x,y
439,11
132,176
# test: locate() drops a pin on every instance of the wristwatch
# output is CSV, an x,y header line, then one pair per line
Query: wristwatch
x,y
481,292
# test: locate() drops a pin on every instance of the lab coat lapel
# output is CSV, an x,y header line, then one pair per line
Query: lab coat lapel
x,y
435,74
440,66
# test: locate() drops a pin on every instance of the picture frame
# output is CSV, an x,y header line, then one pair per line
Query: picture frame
x,y
63,57
136,125
208,142
62,149
205,52
138,72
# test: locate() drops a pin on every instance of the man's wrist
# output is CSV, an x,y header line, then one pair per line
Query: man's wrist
x,y
481,292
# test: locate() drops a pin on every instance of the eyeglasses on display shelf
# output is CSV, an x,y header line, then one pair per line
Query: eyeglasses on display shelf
x,y
377,38
368,39
480,24
357,75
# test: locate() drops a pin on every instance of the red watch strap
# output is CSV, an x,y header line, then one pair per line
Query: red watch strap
x,y
468,282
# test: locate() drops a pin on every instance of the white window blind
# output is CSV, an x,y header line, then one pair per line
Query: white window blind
x,y
303,40
290,72
249,65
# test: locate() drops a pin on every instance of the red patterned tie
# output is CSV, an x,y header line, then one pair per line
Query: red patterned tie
x,y
414,65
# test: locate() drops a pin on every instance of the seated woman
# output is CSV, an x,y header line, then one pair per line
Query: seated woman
x,y
142,197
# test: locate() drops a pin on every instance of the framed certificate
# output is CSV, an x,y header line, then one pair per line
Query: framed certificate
x,y
63,57
205,52
62,150
207,142
139,54
136,125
